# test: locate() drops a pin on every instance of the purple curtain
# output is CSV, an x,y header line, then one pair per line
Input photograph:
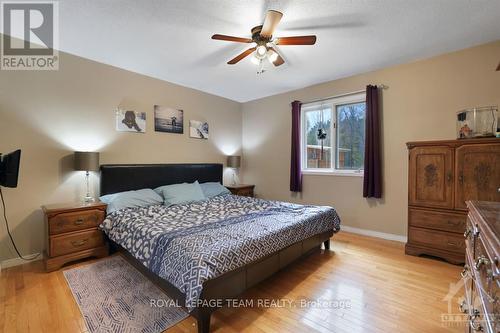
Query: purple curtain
x,y
372,182
295,171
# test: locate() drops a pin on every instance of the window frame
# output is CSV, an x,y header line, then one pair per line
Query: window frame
x,y
332,104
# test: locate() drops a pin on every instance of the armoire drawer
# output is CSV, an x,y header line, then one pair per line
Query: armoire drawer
x,y
431,219
437,239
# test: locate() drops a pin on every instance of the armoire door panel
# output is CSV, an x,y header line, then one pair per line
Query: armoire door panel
x,y
478,173
431,177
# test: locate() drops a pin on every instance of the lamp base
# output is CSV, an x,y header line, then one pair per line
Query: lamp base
x,y
234,178
88,199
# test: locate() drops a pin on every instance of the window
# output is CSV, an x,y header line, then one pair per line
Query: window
x,y
333,135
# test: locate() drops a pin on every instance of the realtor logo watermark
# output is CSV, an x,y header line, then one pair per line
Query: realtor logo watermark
x,y
30,35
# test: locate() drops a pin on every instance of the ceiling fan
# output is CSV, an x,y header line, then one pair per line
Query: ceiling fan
x,y
262,36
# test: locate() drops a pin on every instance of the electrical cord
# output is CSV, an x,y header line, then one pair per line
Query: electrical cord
x,y
8,231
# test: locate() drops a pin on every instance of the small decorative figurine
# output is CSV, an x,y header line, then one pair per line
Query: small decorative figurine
x,y
465,132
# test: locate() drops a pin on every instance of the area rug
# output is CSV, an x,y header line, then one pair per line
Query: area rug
x,y
115,297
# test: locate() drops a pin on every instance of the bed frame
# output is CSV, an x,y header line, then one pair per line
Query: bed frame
x,y
124,177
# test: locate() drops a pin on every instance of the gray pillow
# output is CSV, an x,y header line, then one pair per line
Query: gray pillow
x,y
178,194
139,198
212,189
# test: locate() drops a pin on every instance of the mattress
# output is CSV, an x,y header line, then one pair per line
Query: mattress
x,y
190,244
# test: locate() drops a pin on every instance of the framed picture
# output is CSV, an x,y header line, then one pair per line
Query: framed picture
x,y
130,121
198,129
169,120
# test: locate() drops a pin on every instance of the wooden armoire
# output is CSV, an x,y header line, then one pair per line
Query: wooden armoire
x,y
442,176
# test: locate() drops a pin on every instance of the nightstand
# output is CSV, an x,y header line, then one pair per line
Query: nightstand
x,y
241,189
72,233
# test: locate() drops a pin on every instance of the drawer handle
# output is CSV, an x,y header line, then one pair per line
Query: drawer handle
x,y
475,314
79,243
462,308
79,221
480,261
451,244
467,233
449,176
475,326
465,271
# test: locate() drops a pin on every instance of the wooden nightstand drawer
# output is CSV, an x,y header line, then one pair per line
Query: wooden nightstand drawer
x,y
67,222
74,242
241,189
245,192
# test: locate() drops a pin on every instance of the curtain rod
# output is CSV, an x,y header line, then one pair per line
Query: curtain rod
x,y
380,86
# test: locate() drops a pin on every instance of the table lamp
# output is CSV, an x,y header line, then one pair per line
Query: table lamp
x,y
87,161
234,162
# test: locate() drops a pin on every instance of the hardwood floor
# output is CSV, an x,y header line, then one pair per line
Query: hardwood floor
x,y
385,290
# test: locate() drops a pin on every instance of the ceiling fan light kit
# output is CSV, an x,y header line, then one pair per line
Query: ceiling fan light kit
x,y
261,50
262,36
272,56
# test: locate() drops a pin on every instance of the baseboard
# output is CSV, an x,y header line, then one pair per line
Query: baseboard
x,y
372,233
18,261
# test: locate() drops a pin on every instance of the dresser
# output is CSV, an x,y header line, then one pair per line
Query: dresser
x,y
442,176
241,189
481,274
72,233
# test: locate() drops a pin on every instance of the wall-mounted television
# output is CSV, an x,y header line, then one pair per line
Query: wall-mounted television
x,y
9,168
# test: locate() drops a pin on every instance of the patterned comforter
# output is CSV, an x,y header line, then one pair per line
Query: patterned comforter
x,y
192,243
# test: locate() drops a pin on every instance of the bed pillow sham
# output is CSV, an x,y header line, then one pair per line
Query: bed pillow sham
x,y
178,194
139,198
213,189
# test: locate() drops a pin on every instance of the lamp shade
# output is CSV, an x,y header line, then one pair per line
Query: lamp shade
x,y
233,161
86,161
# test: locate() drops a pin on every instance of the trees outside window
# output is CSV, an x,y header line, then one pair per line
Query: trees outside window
x,y
333,135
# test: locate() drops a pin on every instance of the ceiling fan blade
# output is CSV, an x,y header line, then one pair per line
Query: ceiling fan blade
x,y
296,40
279,61
241,56
232,38
498,68
273,17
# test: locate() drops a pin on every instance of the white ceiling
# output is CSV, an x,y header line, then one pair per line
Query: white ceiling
x,y
170,40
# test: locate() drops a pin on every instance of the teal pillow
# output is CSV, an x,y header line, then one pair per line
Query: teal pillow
x,y
139,198
178,194
212,189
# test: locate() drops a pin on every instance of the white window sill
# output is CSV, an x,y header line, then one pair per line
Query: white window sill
x,y
333,173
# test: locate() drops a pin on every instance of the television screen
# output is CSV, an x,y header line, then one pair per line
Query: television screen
x,y
9,168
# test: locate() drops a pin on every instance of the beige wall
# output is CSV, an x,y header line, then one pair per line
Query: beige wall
x,y
51,114
420,104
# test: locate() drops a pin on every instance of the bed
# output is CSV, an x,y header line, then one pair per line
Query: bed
x,y
204,253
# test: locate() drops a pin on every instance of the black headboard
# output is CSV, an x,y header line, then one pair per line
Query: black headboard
x,y
126,177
